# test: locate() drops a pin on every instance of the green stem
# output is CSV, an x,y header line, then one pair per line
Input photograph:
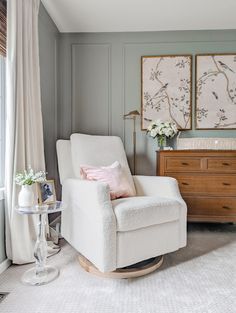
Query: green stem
x,y
161,141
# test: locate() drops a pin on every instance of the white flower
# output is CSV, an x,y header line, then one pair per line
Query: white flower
x,y
150,127
29,177
159,128
153,132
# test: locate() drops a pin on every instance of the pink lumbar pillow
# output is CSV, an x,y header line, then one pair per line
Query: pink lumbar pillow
x,y
113,175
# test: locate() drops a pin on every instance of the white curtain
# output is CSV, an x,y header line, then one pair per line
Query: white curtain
x,y
24,138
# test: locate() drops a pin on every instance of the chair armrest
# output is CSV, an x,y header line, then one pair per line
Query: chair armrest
x,y
89,222
89,195
161,186
165,187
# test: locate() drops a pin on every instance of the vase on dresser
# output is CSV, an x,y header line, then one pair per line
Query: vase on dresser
x,y
161,141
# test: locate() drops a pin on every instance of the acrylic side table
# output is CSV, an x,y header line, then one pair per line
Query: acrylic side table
x,y
41,274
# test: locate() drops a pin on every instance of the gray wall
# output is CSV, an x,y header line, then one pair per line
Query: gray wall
x,y
48,48
2,232
100,80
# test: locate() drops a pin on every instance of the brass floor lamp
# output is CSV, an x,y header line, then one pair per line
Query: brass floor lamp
x,y
132,115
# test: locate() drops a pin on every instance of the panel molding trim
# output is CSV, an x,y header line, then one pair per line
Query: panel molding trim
x,y
109,83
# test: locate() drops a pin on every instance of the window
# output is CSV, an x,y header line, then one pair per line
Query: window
x,y
2,118
3,31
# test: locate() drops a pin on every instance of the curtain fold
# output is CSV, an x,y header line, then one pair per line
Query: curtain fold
x,y
24,133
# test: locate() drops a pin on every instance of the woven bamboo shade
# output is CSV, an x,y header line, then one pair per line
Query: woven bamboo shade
x,y
3,27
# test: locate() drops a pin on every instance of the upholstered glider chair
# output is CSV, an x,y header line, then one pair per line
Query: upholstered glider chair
x,y
114,234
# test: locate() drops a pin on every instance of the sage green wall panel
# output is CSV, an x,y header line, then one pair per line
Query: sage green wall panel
x,y
126,50
48,55
91,88
64,122
132,87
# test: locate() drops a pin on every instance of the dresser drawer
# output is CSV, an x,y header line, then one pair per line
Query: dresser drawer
x,y
221,165
173,164
207,181
206,184
211,206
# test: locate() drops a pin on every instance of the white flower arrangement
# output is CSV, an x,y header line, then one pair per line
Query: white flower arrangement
x,y
162,130
29,177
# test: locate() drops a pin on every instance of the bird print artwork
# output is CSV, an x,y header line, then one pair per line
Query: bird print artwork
x,y
216,91
225,67
166,89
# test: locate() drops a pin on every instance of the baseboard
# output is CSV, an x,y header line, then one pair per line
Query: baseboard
x,y
4,265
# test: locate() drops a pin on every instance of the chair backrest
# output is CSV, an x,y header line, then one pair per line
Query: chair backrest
x,y
90,150
64,160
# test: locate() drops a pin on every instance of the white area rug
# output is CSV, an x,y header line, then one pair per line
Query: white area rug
x,y
200,278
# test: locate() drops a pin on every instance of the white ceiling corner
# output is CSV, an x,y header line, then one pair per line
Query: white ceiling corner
x,y
141,15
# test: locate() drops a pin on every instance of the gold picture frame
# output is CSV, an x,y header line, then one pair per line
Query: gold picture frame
x,y
46,192
166,89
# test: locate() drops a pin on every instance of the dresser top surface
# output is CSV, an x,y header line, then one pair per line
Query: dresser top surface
x,y
199,152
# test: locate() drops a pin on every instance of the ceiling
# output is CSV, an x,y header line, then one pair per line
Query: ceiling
x,y
141,15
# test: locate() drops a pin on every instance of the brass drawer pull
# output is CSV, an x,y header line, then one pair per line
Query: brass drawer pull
x,y
224,163
186,184
226,207
226,184
184,163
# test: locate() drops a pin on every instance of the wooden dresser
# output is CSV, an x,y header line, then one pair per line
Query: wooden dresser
x,y
207,181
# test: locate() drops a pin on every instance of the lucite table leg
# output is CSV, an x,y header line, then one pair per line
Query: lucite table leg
x,y
40,249
40,274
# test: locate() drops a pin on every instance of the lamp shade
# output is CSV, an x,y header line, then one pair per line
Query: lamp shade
x,y
132,114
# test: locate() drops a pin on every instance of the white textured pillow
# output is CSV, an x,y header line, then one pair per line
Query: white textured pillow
x,y
113,175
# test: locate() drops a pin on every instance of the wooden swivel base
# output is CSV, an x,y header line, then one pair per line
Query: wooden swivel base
x,y
132,271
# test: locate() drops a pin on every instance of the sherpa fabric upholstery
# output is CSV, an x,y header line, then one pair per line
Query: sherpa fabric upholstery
x,y
99,151
64,160
148,241
138,212
89,222
113,175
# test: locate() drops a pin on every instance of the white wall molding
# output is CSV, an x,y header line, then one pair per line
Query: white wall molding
x,y
74,100
4,265
124,82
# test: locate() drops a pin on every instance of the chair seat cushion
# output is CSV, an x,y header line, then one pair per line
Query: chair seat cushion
x,y
137,212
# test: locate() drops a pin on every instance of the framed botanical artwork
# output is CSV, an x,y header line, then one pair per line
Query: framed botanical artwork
x,y
215,91
166,89
46,192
